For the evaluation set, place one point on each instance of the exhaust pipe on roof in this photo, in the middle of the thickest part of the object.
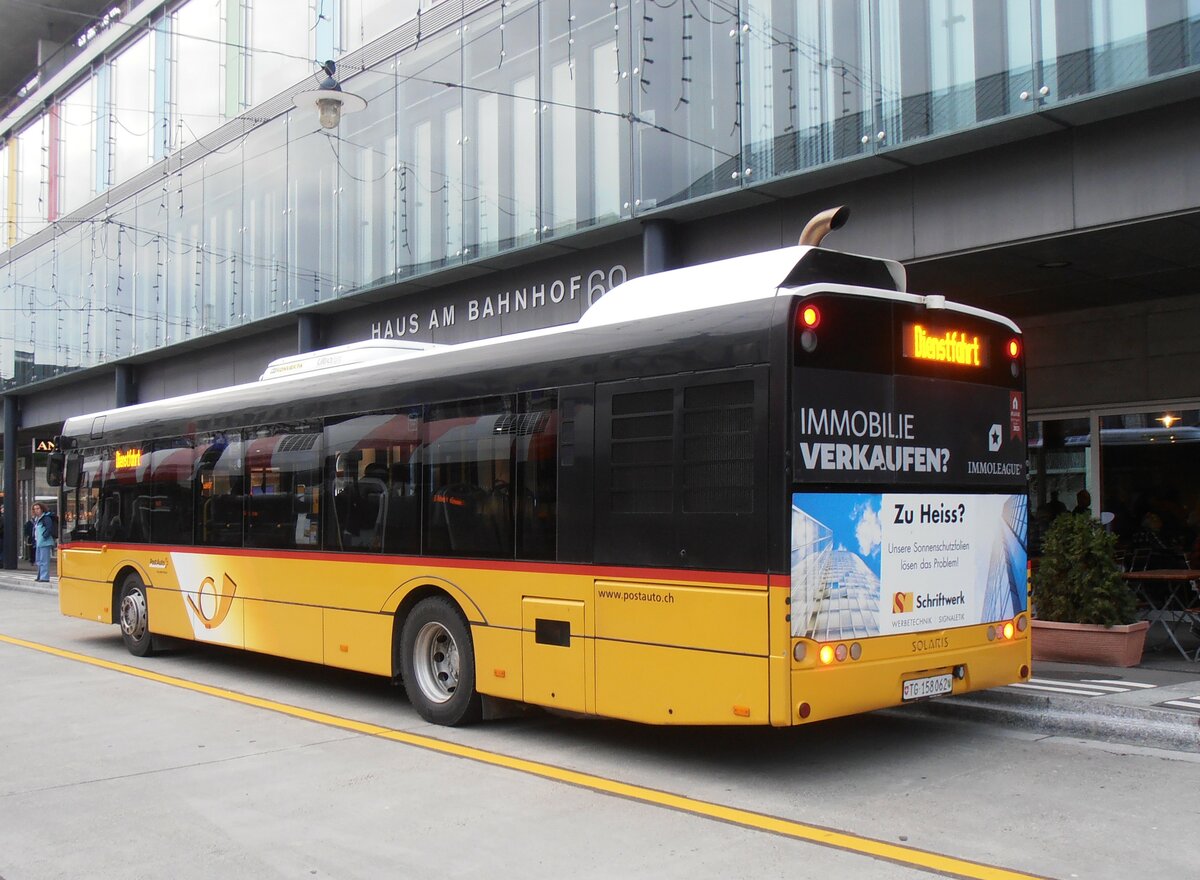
(823, 224)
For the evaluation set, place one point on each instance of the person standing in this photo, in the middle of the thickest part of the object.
(43, 540)
(2, 550)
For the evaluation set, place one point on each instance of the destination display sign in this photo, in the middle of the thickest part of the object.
(866, 428)
(948, 346)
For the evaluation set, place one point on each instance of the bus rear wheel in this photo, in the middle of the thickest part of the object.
(437, 662)
(134, 617)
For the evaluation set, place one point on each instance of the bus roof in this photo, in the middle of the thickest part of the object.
(690, 292)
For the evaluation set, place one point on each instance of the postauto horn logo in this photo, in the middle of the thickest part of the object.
(902, 603)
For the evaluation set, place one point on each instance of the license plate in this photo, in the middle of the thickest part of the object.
(933, 686)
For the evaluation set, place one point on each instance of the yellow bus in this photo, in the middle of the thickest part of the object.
(772, 489)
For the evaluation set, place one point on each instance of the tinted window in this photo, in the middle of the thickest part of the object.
(87, 496)
(283, 487)
(468, 460)
(535, 498)
(220, 490)
(373, 474)
(170, 508)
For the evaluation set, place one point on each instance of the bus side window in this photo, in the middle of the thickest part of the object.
(219, 487)
(283, 497)
(535, 497)
(468, 463)
(87, 495)
(168, 508)
(373, 503)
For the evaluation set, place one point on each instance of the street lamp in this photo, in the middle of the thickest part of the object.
(329, 99)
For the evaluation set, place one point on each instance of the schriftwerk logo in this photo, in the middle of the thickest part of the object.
(902, 603)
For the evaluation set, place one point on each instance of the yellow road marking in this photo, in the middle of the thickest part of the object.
(904, 855)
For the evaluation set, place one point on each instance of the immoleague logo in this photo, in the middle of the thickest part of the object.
(902, 603)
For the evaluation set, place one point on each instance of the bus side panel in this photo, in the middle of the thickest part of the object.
(663, 685)
(708, 618)
(358, 640)
(553, 653)
(497, 661)
(284, 629)
(88, 599)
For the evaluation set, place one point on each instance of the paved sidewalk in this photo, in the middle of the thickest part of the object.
(24, 578)
(1154, 704)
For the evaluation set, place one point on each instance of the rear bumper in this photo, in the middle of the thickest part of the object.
(849, 687)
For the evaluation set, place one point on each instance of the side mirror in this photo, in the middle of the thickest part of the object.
(72, 471)
(54, 469)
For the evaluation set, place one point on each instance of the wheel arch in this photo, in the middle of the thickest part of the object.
(418, 590)
(123, 571)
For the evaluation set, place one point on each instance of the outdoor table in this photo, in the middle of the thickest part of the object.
(1169, 600)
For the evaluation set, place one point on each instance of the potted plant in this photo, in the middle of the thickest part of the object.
(1084, 610)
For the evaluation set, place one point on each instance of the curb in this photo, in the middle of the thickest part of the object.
(1082, 717)
(24, 585)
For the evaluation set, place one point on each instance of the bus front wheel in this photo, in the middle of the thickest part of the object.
(438, 663)
(134, 618)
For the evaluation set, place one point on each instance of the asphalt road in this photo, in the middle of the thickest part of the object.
(224, 764)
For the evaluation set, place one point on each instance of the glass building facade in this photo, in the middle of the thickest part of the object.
(170, 189)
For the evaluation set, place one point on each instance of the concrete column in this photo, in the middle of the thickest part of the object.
(308, 335)
(126, 390)
(658, 246)
(12, 522)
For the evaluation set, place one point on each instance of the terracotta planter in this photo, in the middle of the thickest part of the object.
(1085, 643)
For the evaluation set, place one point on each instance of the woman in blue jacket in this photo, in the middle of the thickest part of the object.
(43, 540)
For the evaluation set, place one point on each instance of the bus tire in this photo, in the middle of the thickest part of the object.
(437, 661)
(134, 617)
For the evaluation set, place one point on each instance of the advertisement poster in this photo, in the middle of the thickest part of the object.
(882, 564)
(907, 431)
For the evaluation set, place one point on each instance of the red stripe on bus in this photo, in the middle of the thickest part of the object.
(753, 579)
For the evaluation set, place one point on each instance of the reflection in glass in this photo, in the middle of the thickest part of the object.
(220, 490)
(1119, 38)
(364, 20)
(1059, 469)
(197, 69)
(280, 52)
(264, 211)
(73, 269)
(807, 73)
(312, 227)
(500, 65)
(468, 475)
(430, 196)
(32, 180)
(1151, 484)
(585, 139)
(150, 265)
(185, 255)
(222, 244)
(77, 147)
(132, 130)
(687, 98)
(373, 483)
(367, 182)
(118, 239)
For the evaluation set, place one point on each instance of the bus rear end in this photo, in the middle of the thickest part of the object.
(908, 503)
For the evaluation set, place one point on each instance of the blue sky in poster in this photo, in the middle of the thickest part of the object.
(853, 519)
